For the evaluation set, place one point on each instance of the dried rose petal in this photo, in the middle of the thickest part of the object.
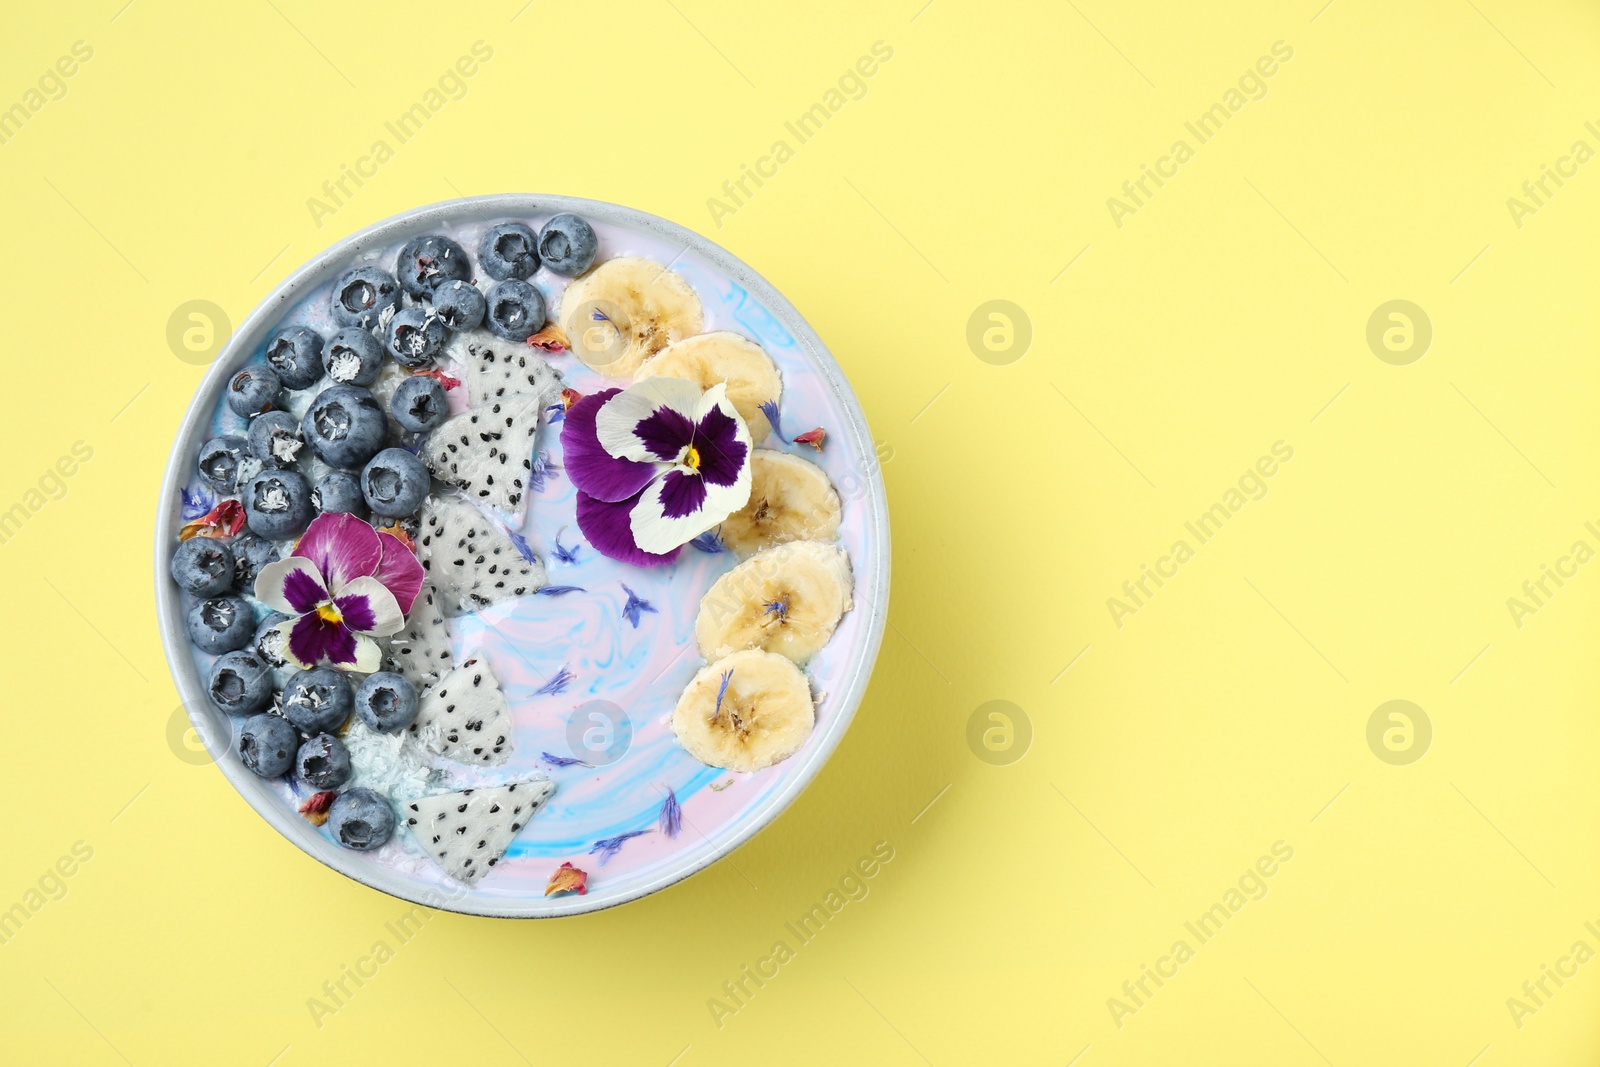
(441, 377)
(398, 532)
(570, 397)
(316, 809)
(567, 879)
(814, 438)
(224, 520)
(550, 339)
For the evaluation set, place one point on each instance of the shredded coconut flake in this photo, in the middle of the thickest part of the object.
(344, 367)
(388, 763)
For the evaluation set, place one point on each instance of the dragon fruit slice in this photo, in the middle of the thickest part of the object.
(498, 369)
(464, 717)
(471, 559)
(421, 651)
(467, 832)
(487, 452)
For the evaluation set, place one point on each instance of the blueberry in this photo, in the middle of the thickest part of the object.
(353, 357)
(323, 762)
(419, 404)
(567, 245)
(345, 426)
(250, 554)
(221, 624)
(203, 566)
(219, 462)
(275, 439)
(509, 250)
(339, 491)
(460, 305)
(516, 310)
(361, 819)
(416, 335)
(266, 745)
(253, 390)
(277, 504)
(394, 483)
(361, 295)
(317, 700)
(427, 262)
(269, 640)
(295, 352)
(386, 702)
(241, 683)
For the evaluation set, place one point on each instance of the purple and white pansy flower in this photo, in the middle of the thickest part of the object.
(345, 584)
(655, 465)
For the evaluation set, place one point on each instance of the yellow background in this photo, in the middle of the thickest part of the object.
(1229, 713)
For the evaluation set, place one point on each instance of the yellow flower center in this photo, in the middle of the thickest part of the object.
(328, 613)
(692, 460)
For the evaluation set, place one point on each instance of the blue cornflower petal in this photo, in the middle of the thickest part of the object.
(635, 605)
(197, 503)
(543, 471)
(722, 691)
(565, 553)
(522, 546)
(770, 410)
(609, 846)
(670, 821)
(708, 542)
(555, 685)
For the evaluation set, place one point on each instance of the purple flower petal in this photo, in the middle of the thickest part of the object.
(651, 420)
(355, 611)
(270, 581)
(313, 639)
(662, 520)
(592, 469)
(302, 591)
(368, 608)
(722, 453)
(608, 527)
(681, 494)
(399, 571)
(341, 546)
(664, 433)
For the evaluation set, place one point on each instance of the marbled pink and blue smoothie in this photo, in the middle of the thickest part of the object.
(533, 642)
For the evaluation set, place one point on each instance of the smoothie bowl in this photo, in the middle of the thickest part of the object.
(522, 555)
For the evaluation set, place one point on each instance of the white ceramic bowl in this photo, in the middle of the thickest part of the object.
(871, 597)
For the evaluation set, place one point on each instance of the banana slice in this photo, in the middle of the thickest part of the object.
(751, 376)
(791, 499)
(745, 712)
(787, 599)
(625, 311)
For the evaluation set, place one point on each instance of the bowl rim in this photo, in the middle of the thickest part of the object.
(211, 724)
